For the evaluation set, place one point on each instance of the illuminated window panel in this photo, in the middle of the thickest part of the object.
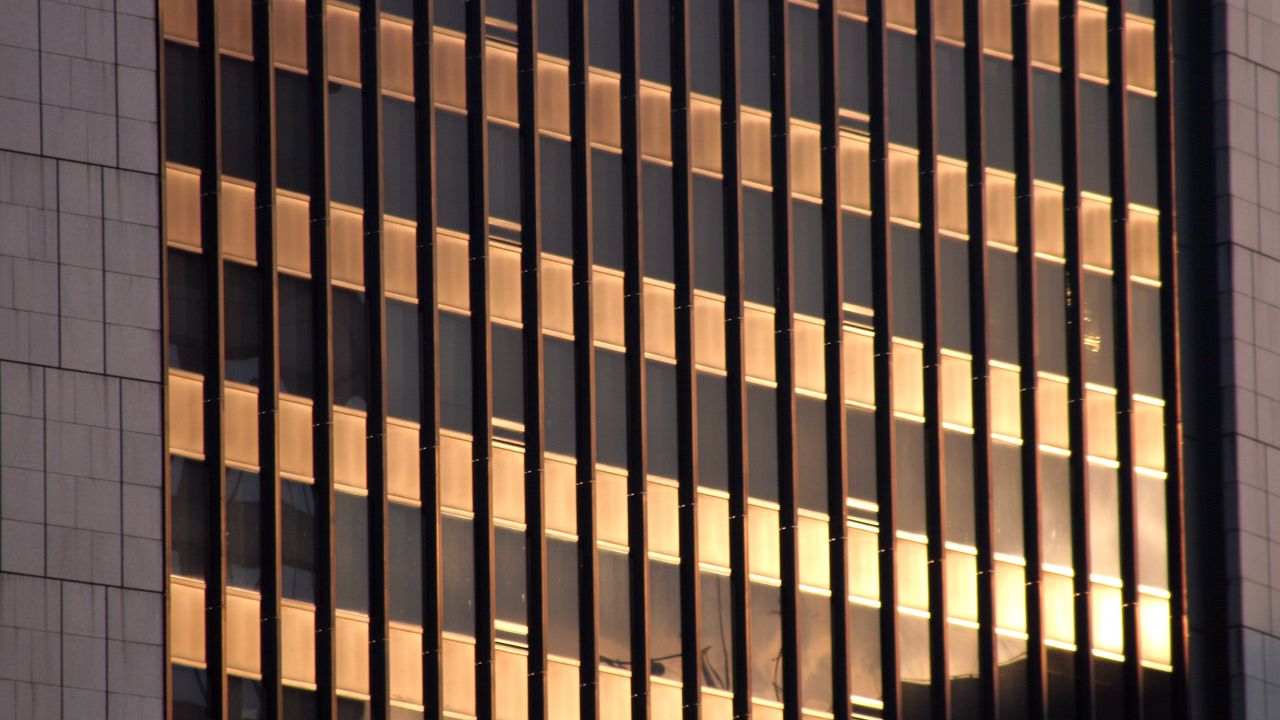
(342, 29)
(1091, 41)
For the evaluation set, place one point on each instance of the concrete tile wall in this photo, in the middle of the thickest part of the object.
(81, 497)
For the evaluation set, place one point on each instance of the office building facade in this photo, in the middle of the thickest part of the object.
(648, 358)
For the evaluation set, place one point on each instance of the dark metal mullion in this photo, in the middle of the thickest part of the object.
(481, 365)
(1083, 658)
(736, 401)
(882, 304)
(1028, 358)
(215, 371)
(429, 378)
(269, 363)
(1118, 129)
(531, 314)
(584, 362)
(788, 491)
(633, 328)
(686, 373)
(376, 304)
(930, 283)
(1171, 368)
(984, 497)
(833, 340)
(322, 412)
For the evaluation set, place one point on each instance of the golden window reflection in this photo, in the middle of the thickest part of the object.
(553, 95)
(708, 337)
(560, 493)
(806, 159)
(660, 319)
(179, 20)
(186, 413)
(235, 27)
(396, 62)
(1100, 409)
(655, 121)
(507, 473)
(511, 682)
(557, 294)
(403, 460)
(298, 642)
(962, 585)
(1006, 406)
(1140, 53)
(1047, 219)
(237, 220)
(1154, 630)
(908, 378)
(904, 183)
(901, 13)
(1001, 206)
(1148, 434)
(1011, 596)
(948, 20)
(455, 472)
(611, 505)
(186, 621)
(243, 631)
(346, 245)
(953, 196)
(604, 113)
(858, 360)
(713, 529)
(1044, 32)
(615, 693)
(350, 448)
(704, 134)
(957, 390)
(458, 674)
(342, 42)
(1107, 618)
(864, 562)
(1095, 230)
(404, 663)
(400, 258)
(182, 206)
(351, 652)
(913, 574)
(997, 26)
(500, 92)
(1051, 411)
(663, 518)
(295, 418)
(1144, 242)
(855, 171)
(449, 70)
(758, 343)
(240, 424)
(562, 689)
(453, 283)
(1091, 40)
(1059, 608)
(814, 550)
(756, 153)
(293, 232)
(504, 283)
(607, 307)
(762, 541)
(810, 362)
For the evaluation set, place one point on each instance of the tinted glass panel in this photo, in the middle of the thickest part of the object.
(399, 158)
(183, 107)
(350, 349)
(346, 149)
(405, 537)
(297, 540)
(297, 368)
(244, 556)
(404, 379)
(187, 309)
(239, 119)
(242, 299)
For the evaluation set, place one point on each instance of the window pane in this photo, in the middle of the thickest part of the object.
(244, 556)
(243, 306)
(350, 349)
(297, 540)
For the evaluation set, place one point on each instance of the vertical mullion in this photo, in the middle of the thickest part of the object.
(882, 304)
(376, 302)
(428, 328)
(531, 311)
(1083, 658)
(833, 338)
(930, 282)
(1171, 367)
(481, 367)
(322, 418)
(1028, 359)
(736, 405)
(269, 363)
(686, 373)
(780, 132)
(215, 376)
(633, 333)
(1118, 129)
(584, 361)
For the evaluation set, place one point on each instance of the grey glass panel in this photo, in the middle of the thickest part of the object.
(860, 452)
(399, 158)
(958, 473)
(902, 89)
(557, 210)
(1002, 305)
(1109, 689)
(1061, 683)
(189, 508)
(704, 62)
(187, 309)
(558, 395)
(1099, 330)
(1012, 676)
(293, 132)
(998, 105)
(815, 652)
(451, 14)
(664, 620)
(966, 692)
(243, 547)
(1145, 345)
(1051, 316)
(455, 372)
(606, 208)
(655, 40)
(605, 34)
(757, 244)
(762, 441)
(553, 27)
(1006, 491)
(452, 198)
(909, 459)
(299, 704)
(242, 301)
(190, 696)
(913, 649)
(715, 640)
(854, 91)
(511, 586)
(1046, 90)
(350, 349)
(766, 642)
(864, 653)
(1055, 514)
(502, 9)
(811, 452)
(349, 709)
(404, 371)
(908, 318)
(351, 551)
(611, 408)
(297, 540)
(1095, 164)
(504, 172)
(713, 431)
(405, 537)
(402, 8)
(708, 232)
(954, 277)
(659, 230)
(615, 609)
(239, 119)
(562, 597)
(806, 256)
(951, 115)
(753, 42)
(346, 146)
(856, 234)
(1143, 179)
(457, 548)
(805, 62)
(244, 698)
(663, 419)
(297, 363)
(508, 372)
(184, 112)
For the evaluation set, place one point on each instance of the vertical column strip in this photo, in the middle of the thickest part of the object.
(633, 334)
(269, 362)
(1078, 472)
(1118, 137)
(429, 378)
(736, 401)
(686, 373)
(481, 365)
(833, 340)
(930, 284)
(376, 302)
(215, 372)
(322, 302)
(531, 311)
(882, 305)
(780, 132)
(1170, 352)
(166, 474)
(584, 364)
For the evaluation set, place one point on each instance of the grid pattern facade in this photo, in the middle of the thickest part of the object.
(666, 358)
